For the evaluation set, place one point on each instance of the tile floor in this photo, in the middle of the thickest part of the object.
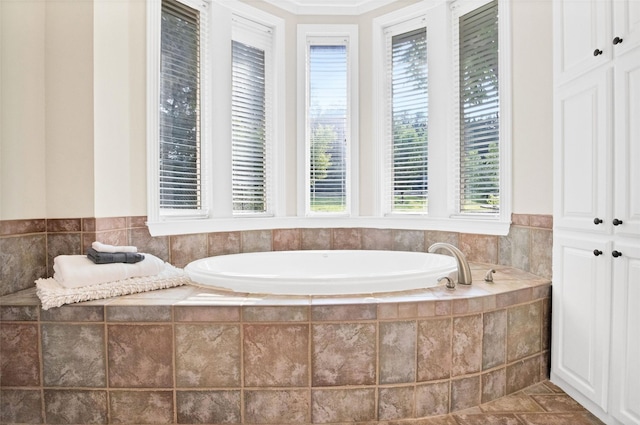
(540, 404)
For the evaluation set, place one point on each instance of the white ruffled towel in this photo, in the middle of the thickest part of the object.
(74, 271)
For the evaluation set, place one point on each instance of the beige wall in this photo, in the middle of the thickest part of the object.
(73, 107)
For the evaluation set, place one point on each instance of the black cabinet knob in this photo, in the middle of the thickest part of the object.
(616, 254)
(597, 252)
(597, 52)
(597, 221)
(617, 222)
(617, 40)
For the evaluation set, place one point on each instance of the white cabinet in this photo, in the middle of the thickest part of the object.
(625, 335)
(596, 272)
(589, 33)
(581, 323)
(627, 144)
(582, 153)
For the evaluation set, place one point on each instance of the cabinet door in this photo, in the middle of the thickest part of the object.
(580, 313)
(580, 28)
(582, 153)
(626, 25)
(627, 144)
(625, 368)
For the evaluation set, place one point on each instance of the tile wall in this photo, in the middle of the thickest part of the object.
(28, 247)
(318, 364)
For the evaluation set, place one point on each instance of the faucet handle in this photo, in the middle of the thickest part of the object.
(489, 276)
(450, 283)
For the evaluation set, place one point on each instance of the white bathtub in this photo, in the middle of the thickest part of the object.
(340, 272)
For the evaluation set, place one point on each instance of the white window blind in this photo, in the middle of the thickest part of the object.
(408, 121)
(179, 121)
(327, 127)
(251, 111)
(479, 111)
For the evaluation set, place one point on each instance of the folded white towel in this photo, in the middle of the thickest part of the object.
(52, 294)
(103, 247)
(74, 271)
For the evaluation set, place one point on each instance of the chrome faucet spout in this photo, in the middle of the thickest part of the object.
(464, 272)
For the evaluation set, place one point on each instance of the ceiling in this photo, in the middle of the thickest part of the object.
(329, 7)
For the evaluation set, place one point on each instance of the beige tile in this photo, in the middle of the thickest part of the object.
(397, 352)
(408, 240)
(276, 406)
(557, 402)
(276, 355)
(20, 406)
(187, 248)
(494, 336)
(379, 239)
(346, 238)
(484, 419)
(494, 385)
(523, 330)
(141, 407)
(578, 418)
(286, 239)
(522, 374)
(465, 393)
(208, 355)
(202, 407)
(467, 345)
(434, 349)
(256, 240)
(19, 358)
(78, 364)
(479, 248)
(343, 405)
(315, 238)
(75, 407)
(224, 243)
(519, 402)
(395, 403)
(140, 356)
(432, 399)
(344, 354)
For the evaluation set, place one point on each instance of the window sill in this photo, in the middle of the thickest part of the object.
(477, 225)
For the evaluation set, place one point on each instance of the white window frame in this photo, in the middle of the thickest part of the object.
(443, 213)
(307, 33)
(217, 210)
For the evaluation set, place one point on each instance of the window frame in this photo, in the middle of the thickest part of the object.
(443, 213)
(324, 33)
(217, 210)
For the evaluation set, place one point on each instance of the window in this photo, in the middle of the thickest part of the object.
(479, 112)
(408, 119)
(215, 115)
(251, 116)
(180, 132)
(441, 115)
(330, 119)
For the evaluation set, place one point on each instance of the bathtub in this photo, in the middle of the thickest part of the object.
(339, 272)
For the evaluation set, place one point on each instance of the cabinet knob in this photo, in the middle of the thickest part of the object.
(597, 221)
(597, 52)
(617, 40)
(617, 222)
(597, 252)
(616, 254)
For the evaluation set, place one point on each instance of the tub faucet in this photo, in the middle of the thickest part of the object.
(464, 272)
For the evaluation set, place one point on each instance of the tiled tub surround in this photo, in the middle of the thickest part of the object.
(190, 355)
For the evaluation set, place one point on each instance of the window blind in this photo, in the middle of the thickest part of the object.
(180, 135)
(328, 134)
(479, 110)
(409, 117)
(250, 112)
